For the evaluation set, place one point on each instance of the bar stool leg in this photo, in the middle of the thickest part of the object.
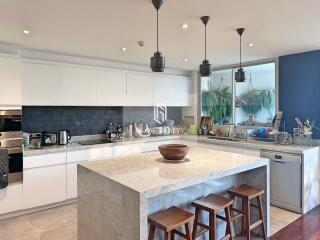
(243, 219)
(229, 227)
(195, 224)
(167, 235)
(172, 235)
(247, 217)
(151, 232)
(262, 218)
(212, 232)
(188, 234)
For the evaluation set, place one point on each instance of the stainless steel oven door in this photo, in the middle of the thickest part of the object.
(10, 120)
(11, 143)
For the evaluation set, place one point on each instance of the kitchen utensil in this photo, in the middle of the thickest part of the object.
(166, 130)
(64, 137)
(156, 131)
(169, 123)
(176, 131)
(174, 152)
(141, 129)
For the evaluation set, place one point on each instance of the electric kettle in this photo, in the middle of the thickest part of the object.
(64, 137)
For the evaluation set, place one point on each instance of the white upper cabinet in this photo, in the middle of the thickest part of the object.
(111, 88)
(10, 81)
(42, 84)
(172, 91)
(139, 89)
(79, 86)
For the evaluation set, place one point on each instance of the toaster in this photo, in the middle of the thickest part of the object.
(48, 138)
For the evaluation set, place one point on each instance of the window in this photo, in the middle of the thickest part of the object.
(216, 92)
(248, 103)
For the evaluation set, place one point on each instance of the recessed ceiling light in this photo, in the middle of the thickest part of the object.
(124, 49)
(185, 26)
(251, 44)
(186, 59)
(25, 31)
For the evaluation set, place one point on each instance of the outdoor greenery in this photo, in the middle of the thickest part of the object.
(253, 101)
(217, 103)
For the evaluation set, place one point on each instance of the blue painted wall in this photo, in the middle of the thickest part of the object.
(299, 88)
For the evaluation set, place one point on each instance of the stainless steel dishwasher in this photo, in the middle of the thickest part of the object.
(285, 180)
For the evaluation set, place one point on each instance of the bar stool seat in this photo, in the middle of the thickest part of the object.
(247, 193)
(169, 220)
(212, 204)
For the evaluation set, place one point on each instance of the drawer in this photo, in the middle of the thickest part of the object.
(44, 160)
(84, 155)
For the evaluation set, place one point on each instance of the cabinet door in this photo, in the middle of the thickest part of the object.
(139, 90)
(10, 81)
(42, 84)
(11, 198)
(44, 185)
(112, 87)
(84, 155)
(72, 181)
(162, 91)
(182, 92)
(79, 86)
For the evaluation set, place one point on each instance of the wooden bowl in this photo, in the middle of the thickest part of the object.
(175, 152)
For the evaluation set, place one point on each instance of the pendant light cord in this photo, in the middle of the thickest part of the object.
(240, 51)
(157, 30)
(205, 42)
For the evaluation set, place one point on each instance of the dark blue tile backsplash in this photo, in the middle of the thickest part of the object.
(87, 120)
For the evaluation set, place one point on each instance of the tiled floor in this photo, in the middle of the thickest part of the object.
(54, 224)
(61, 224)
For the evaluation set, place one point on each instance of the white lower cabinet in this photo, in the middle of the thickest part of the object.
(44, 185)
(72, 183)
(11, 198)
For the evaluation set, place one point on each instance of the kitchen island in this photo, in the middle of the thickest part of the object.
(116, 196)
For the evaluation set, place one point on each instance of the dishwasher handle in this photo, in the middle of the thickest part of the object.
(278, 161)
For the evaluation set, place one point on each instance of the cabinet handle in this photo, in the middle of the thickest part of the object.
(278, 161)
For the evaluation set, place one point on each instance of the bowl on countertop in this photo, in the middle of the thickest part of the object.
(174, 152)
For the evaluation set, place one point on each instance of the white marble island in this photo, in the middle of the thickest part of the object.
(116, 196)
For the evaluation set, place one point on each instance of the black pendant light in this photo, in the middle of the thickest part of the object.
(157, 61)
(205, 67)
(240, 74)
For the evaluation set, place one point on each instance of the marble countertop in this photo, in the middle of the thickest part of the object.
(251, 144)
(76, 146)
(149, 175)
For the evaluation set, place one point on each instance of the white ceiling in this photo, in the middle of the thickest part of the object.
(99, 28)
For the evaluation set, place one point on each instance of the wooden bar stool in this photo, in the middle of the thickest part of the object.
(212, 204)
(169, 221)
(247, 193)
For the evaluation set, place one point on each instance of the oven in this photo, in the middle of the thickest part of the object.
(11, 160)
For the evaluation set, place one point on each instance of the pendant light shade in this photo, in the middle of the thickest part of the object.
(205, 67)
(158, 62)
(240, 75)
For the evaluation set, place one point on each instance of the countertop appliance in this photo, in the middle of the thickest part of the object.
(64, 137)
(49, 138)
(285, 180)
(11, 141)
(35, 140)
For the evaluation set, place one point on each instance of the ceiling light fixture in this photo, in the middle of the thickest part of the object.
(185, 26)
(186, 59)
(124, 49)
(251, 44)
(240, 75)
(25, 31)
(205, 67)
(157, 61)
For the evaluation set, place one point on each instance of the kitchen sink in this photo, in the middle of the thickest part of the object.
(225, 139)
